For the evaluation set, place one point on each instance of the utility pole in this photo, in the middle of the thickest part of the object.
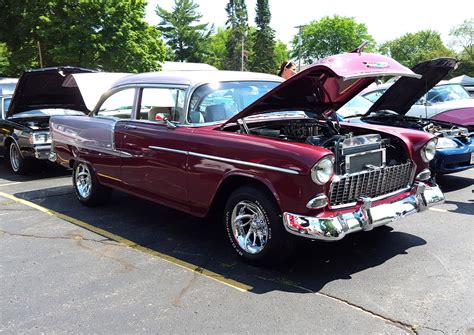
(242, 55)
(40, 55)
(300, 41)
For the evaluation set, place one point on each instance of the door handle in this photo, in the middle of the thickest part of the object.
(129, 126)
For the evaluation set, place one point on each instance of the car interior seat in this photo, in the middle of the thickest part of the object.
(196, 117)
(158, 113)
(219, 112)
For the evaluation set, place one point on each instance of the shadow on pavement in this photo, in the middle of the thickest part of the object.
(204, 244)
(40, 170)
(453, 182)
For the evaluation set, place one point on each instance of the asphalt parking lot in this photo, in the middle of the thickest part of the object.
(135, 267)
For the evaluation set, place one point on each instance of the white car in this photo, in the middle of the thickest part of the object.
(441, 98)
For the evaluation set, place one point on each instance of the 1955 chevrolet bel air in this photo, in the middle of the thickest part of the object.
(263, 154)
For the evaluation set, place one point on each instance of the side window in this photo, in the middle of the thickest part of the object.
(119, 105)
(158, 104)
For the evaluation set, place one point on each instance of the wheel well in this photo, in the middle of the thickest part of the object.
(7, 144)
(228, 186)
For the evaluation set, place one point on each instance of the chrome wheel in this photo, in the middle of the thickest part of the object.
(83, 180)
(249, 226)
(15, 157)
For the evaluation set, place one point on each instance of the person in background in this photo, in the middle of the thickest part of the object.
(287, 69)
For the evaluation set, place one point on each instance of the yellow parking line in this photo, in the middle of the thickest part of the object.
(434, 209)
(206, 273)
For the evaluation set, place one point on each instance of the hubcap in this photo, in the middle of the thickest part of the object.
(14, 157)
(249, 226)
(83, 180)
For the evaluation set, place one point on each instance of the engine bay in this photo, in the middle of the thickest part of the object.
(437, 128)
(353, 152)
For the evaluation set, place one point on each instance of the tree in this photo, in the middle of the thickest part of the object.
(187, 40)
(237, 23)
(102, 34)
(216, 44)
(463, 40)
(413, 48)
(329, 36)
(263, 56)
(281, 54)
(4, 64)
(463, 36)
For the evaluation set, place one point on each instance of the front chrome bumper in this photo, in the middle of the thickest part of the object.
(365, 217)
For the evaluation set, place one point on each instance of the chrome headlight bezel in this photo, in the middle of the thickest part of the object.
(428, 152)
(323, 170)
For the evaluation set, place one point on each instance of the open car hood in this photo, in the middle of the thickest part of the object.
(62, 87)
(326, 85)
(42, 88)
(403, 94)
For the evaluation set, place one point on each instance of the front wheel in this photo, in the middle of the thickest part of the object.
(18, 164)
(87, 188)
(254, 226)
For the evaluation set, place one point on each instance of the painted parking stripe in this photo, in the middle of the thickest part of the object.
(434, 209)
(170, 259)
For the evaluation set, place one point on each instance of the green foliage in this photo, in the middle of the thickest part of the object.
(281, 54)
(237, 41)
(263, 56)
(187, 39)
(108, 35)
(4, 63)
(413, 48)
(330, 36)
(217, 48)
(463, 36)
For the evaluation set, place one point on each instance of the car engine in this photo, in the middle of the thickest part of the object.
(353, 152)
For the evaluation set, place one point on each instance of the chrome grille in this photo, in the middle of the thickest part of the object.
(374, 183)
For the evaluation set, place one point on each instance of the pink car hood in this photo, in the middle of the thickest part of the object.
(327, 84)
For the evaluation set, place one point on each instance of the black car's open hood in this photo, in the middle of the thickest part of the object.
(406, 91)
(43, 88)
(326, 85)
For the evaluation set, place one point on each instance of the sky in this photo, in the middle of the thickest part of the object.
(385, 20)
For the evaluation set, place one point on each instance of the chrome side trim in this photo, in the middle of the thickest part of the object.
(168, 150)
(226, 160)
(98, 149)
(235, 161)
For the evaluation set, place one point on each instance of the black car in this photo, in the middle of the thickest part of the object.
(24, 131)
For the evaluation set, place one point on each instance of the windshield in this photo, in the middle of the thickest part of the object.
(445, 93)
(6, 104)
(7, 88)
(358, 105)
(220, 101)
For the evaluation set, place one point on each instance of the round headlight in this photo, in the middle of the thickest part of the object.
(445, 143)
(429, 150)
(323, 170)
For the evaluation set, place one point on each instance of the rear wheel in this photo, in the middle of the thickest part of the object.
(18, 164)
(87, 188)
(254, 226)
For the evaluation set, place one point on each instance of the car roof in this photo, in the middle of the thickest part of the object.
(193, 77)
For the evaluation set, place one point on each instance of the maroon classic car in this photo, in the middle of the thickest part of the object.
(279, 167)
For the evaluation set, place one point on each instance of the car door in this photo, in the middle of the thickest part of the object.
(157, 149)
(97, 139)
